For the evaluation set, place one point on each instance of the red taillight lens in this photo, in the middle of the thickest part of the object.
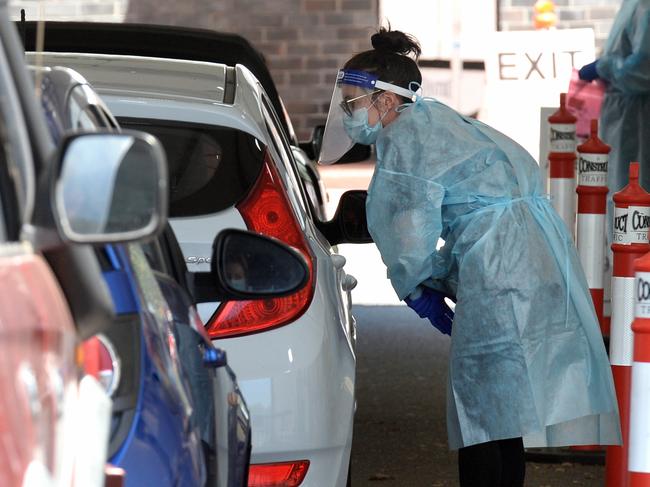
(290, 474)
(267, 210)
(100, 360)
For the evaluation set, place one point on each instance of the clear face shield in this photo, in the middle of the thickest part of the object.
(353, 90)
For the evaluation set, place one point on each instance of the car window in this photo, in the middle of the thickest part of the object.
(310, 184)
(104, 260)
(83, 116)
(309, 188)
(211, 168)
(158, 332)
(154, 255)
(282, 147)
(110, 120)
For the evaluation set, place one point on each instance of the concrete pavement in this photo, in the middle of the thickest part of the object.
(400, 437)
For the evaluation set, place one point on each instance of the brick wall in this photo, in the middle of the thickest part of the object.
(597, 14)
(93, 10)
(304, 41)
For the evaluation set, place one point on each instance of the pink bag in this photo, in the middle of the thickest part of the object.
(584, 100)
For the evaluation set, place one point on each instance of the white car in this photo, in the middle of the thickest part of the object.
(294, 356)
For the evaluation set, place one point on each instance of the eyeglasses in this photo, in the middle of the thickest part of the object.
(348, 105)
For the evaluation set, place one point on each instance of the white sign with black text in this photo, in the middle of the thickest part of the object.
(527, 70)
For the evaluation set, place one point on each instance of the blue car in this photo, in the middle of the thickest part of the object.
(154, 435)
(178, 417)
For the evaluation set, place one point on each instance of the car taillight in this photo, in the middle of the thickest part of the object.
(289, 474)
(267, 210)
(101, 361)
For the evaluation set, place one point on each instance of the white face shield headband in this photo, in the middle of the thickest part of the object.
(351, 87)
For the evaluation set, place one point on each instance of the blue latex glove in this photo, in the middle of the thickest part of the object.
(588, 72)
(431, 304)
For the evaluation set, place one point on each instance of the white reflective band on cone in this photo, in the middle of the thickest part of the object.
(621, 344)
(563, 137)
(607, 291)
(642, 303)
(563, 198)
(639, 459)
(620, 226)
(638, 224)
(592, 169)
(591, 233)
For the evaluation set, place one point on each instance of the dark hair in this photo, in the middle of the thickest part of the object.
(389, 59)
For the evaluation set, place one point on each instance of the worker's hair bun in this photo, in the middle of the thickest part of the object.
(396, 42)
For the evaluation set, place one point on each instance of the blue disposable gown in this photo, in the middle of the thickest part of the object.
(625, 114)
(527, 357)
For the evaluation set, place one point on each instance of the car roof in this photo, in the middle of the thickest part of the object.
(170, 78)
(147, 40)
(59, 81)
(178, 89)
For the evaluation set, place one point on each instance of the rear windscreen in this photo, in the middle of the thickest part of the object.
(211, 168)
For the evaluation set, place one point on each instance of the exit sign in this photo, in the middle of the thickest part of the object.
(527, 70)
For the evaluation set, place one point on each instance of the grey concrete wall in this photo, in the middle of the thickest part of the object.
(572, 14)
(94, 10)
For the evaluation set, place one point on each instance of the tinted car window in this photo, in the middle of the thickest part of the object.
(154, 256)
(110, 120)
(81, 114)
(210, 168)
(282, 146)
(163, 352)
(311, 190)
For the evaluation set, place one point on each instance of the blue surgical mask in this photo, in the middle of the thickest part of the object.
(358, 128)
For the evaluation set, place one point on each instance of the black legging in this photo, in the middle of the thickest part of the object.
(493, 464)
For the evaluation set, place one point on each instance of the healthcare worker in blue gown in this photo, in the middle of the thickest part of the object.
(527, 361)
(625, 114)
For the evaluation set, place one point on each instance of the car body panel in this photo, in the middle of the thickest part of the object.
(231, 420)
(135, 81)
(38, 376)
(162, 447)
(157, 41)
(135, 76)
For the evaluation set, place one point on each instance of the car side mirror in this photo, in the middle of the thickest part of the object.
(111, 187)
(247, 265)
(349, 224)
(357, 153)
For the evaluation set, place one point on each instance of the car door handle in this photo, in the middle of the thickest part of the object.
(349, 283)
(338, 260)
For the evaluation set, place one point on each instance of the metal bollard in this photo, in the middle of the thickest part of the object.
(631, 217)
(562, 160)
(592, 206)
(639, 453)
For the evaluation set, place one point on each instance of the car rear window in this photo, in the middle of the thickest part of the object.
(211, 168)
